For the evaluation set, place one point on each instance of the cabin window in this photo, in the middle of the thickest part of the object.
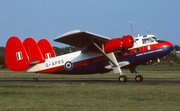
(127, 52)
(48, 55)
(136, 50)
(19, 56)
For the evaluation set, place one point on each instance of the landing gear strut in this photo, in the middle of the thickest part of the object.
(36, 78)
(138, 78)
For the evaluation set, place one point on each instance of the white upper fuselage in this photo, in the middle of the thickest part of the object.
(145, 40)
(59, 61)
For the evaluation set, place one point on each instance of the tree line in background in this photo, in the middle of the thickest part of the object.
(69, 49)
(176, 48)
(65, 50)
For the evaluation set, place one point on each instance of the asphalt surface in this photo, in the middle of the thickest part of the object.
(93, 80)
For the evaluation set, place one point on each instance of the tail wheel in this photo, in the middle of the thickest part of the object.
(122, 79)
(139, 78)
(35, 79)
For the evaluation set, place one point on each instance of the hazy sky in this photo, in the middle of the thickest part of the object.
(51, 18)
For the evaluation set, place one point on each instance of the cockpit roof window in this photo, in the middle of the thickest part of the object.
(155, 38)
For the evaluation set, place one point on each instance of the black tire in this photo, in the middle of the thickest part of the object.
(139, 78)
(35, 79)
(122, 79)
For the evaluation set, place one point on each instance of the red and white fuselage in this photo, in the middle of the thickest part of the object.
(98, 54)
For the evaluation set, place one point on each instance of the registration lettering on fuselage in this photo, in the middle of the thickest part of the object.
(54, 63)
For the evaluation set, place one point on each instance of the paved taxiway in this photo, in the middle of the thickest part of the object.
(93, 80)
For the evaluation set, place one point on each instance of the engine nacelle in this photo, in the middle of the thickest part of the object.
(118, 44)
(127, 41)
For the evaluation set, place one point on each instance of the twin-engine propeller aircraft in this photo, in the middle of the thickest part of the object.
(98, 54)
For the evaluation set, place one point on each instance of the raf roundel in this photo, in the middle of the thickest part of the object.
(68, 65)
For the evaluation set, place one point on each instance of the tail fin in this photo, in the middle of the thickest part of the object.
(33, 51)
(16, 56)
(19, 56)
(46, 49)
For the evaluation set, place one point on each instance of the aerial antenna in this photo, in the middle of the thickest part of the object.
(131, 28)
(148, 30)
(132, 33)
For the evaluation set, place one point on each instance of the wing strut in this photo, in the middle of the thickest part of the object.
(115, 64)
(113, 61)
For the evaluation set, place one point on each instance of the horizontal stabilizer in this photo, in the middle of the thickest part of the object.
(34, 62)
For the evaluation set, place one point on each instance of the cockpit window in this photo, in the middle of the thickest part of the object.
(147, 40)
(136, 39)
(156, 39)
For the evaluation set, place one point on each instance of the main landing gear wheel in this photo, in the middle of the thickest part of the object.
(35, 79)
(122, 79)
(139, 78)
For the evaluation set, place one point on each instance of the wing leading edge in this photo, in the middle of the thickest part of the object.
(82, 39)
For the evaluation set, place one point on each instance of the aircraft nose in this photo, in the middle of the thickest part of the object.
(167, 44)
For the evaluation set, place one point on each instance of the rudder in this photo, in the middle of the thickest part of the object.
(46, 49)
(16, 57)
(33, 51)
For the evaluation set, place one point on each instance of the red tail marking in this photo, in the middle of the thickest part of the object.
(15, 55)
(33, 50)
(46, 48)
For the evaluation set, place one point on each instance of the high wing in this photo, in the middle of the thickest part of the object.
(89, 41)
(82, 39)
